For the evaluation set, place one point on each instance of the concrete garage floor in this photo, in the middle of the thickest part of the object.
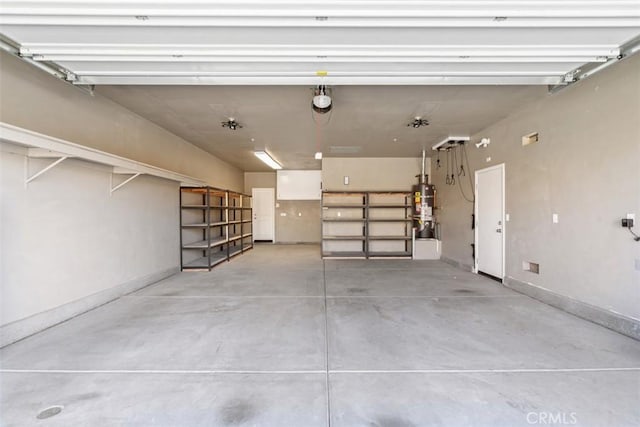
(278, 337)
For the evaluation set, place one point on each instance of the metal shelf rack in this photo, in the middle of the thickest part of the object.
(211, 226)
(366, 224)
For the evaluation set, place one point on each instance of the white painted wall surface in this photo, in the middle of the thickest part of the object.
(66, 244)
(34, 100)
(65, 238)
(371, 173)
(586, 168)
(301, 224)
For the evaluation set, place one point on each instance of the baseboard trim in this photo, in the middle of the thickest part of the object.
(23, 328)
(298, 243)
(609, 319)
(457, 264)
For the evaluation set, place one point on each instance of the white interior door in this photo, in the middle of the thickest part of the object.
(263, 214)
(490, 221)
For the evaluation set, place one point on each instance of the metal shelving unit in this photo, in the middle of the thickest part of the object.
(210, 227)
(344, 224)
(246, 222)
(366, 224)
(390, 224)
(235, 224)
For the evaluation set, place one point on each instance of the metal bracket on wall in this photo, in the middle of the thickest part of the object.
(39, 153)
(13, 48)
(625, 51)
(121, 171)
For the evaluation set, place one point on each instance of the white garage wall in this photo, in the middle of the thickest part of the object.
(36, 101)
(372, 174)
(586, 168)
(67, 245)
(64, 237)
(301, 224)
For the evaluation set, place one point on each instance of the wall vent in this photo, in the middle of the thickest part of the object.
(529, 139)
(531, 267)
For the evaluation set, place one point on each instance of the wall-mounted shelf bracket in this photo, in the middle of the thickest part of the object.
(121, 171)
(47, 147)
(38, 153)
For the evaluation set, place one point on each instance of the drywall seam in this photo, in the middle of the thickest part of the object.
(23, 328)
(609, 319)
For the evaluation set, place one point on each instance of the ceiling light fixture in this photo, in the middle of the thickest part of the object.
(267, 159)
(321, 101)
(231, 124)
(451, 140)
(418, 122)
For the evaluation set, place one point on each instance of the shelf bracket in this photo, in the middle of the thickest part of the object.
(35, 153)
(120, 171)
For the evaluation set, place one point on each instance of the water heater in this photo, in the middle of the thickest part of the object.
(423, 203)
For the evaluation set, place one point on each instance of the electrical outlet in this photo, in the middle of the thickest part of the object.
(507, 217)
(346, 180)
(627, 222)
(631, 216)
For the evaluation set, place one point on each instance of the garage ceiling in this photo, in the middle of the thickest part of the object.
(461, 63)
(364, 121)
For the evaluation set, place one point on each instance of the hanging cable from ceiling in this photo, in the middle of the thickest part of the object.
(447, 178)
(320, 105)
(457, 164)
(454, 163)
(464, 158)
(319, 135)
(320, 123)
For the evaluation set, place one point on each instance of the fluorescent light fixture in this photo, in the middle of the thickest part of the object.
(450, 138)
(318, 155)
(266, 158)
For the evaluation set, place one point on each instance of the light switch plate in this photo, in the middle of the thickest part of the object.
(346, 180)
(554, 217)
(507, 217)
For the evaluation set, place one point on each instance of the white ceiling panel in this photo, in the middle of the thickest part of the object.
(462, 63)
(314, 36)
